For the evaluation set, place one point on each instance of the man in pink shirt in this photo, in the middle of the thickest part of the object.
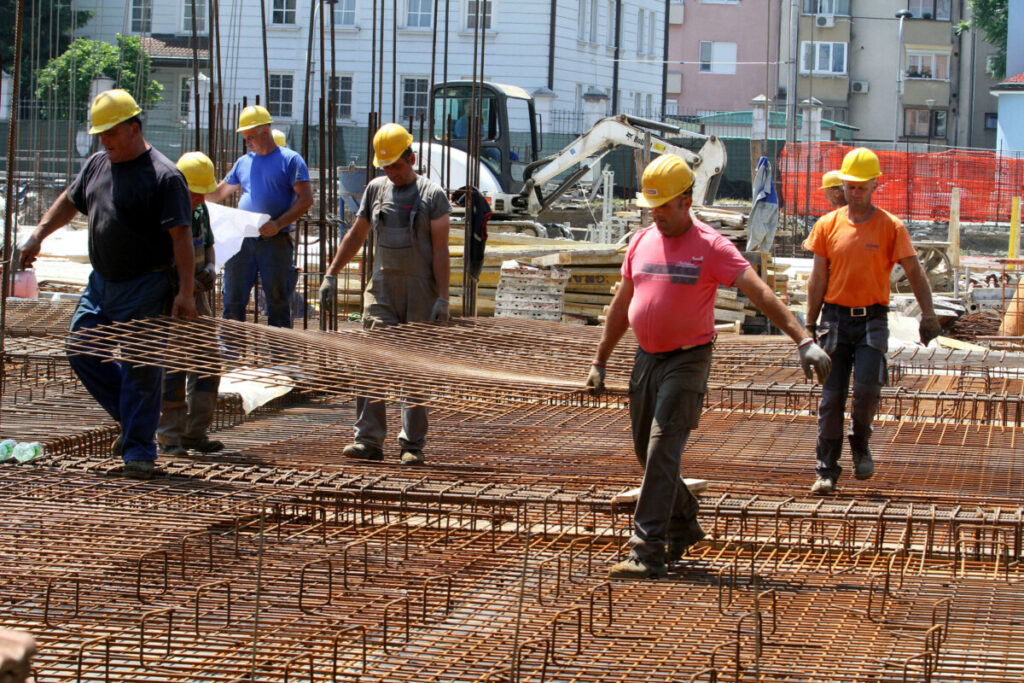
(667, 295)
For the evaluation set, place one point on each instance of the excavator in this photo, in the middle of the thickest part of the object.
(517, 188)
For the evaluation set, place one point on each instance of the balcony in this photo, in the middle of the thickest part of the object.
(920, 90)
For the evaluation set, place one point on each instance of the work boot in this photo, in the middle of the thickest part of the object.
(140, 469)
(678, 546)
(863, 465)
(117, 448)
(361, 451)
(203, 445)
(635, 568)
(169, 449)
(823, 487)
(412, 457)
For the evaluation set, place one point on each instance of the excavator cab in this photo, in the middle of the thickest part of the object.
(508, 134)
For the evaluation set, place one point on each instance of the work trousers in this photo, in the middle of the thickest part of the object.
(129, 393)
(666, 395)
(856, 344)
(271, 259)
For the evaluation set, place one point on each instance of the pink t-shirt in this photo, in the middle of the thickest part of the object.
(674, 284)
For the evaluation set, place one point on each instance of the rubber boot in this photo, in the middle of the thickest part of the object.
(863, 465)
(173, 415)
(201, 407)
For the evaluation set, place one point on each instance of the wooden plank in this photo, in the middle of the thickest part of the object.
(696, 486)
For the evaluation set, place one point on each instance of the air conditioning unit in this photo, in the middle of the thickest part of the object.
(859, 86)
(824, 21)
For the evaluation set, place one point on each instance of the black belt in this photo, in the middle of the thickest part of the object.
(675, 352)
(872, 311)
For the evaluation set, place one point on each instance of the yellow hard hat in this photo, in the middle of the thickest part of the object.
(666, 177)
(390, 141)
(279, 138)
(860, 165)
(831, 179)
(252, 116)
(198, 171)
(110, 108)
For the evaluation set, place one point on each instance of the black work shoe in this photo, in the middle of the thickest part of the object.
(677, 547)
(140, 469)
(823, 486)
(635, 568)
(412, 457)
(117, 448)
(863, 466)
(361, 451)
(203, 445)
(170, 449)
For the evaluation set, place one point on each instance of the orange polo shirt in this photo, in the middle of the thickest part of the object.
(860, 255)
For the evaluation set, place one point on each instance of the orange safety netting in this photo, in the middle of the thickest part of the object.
(913, 185)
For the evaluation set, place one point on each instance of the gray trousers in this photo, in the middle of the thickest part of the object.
(666, 395)
(371, 427)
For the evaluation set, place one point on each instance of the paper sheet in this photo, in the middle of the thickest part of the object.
(229, 227)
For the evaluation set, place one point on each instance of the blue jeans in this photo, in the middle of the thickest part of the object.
(271, 258)
(129, 393)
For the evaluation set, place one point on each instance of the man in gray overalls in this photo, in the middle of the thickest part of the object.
(409, 216)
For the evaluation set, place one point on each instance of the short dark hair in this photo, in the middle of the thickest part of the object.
(137, 119)
(407, 154)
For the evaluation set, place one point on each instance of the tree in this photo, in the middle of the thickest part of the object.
(46, 32)
(992, 19)
(127, 64)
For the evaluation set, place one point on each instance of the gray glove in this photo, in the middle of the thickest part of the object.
(206, 278)
(440, 312)
(328, 292)
(815, 361)
(930, 328)
(595, 380)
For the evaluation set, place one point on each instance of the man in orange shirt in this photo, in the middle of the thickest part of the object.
(855, 249)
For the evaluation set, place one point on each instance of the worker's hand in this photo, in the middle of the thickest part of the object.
(440, 311)
(270, 228)
(814, 361)
(28, 251)
(812, 330)
(184, 306)
(930, 328)
(16, 651)
(595, 380)
(328, 292)
(206, 278)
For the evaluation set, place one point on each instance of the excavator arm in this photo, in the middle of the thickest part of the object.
(617, 131)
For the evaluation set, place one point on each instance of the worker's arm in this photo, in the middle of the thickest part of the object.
(351, 243)
(439, 228)
(765, 300)
(57, 216)
(816, 286)
(919, 284)
(303, 200)
(223, 191)
(184, 261)
(616, 323)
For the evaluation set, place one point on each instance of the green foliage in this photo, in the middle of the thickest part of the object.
(992, 19)
(127, 63)
(46, 32)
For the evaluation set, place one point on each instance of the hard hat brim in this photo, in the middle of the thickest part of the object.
(828, 187)
(856, 178)
(107, 126)
(202, 189)
(241, 129)
(646, 202)
(381, 163)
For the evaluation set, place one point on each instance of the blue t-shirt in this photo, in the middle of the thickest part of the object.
(268, 181)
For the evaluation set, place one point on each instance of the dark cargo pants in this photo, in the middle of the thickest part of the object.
(666, 395)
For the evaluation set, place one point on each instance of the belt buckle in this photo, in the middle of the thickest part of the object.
(858, 311)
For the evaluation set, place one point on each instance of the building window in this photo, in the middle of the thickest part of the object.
(279, 100)
(142, 16)
(341, 93)
(581, 20)
(717, 58)
(611, 23)
(345, 13)
(641, 25)
(651, 37)
(924, 123)
(485, 12)
(186, 23)
(415, 91)
(991, 121)
(822, 58)
(418, 14)
(185, 100)
(594, 24)
(837, 114)
(929, 9)
(928, 65)
(834, 7)
(283, 13)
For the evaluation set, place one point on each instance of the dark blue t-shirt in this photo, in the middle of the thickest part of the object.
(268, 181)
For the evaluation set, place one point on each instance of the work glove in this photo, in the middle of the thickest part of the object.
(595, 380)
(930, 328)
(328, 292)
(206, 278)
(440, 312)
(814, 361)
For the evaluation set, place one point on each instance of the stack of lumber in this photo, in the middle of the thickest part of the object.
(732, 223)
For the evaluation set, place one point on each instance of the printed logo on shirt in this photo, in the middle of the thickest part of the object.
(872, 247)
(675, 273)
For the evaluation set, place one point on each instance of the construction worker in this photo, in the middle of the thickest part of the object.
(190, 399)
(139, 235)
(669, 278)
(275, 181)
(408, 214)
(855, 249)
(833, 186)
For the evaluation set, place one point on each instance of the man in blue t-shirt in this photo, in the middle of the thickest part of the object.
(274, 181)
